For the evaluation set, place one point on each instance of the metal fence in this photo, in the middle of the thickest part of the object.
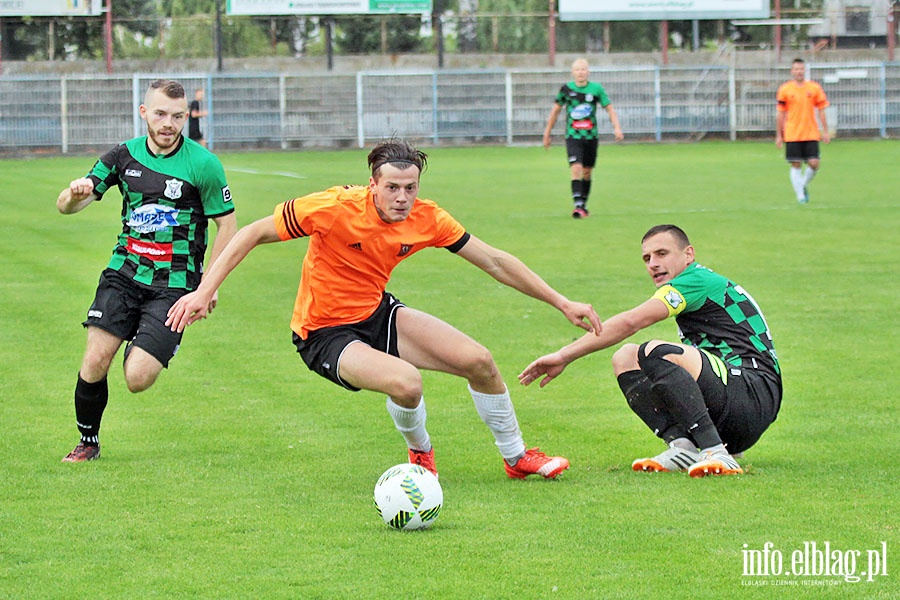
(90, 112)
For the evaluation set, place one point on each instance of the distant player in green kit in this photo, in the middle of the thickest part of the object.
(581, 98)
(708, 398)
(171, 188)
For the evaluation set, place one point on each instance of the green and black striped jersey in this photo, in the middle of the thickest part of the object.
(717, 315)
(581, 104)
(167, 202)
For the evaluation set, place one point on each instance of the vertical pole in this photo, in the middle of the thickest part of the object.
(664, 41)
(109, 45)
(329, 41)
(891, 31)
(219, 36)
(437, 24)
(777, 30)
(551, 32)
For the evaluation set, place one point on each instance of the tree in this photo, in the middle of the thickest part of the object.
(360, 34)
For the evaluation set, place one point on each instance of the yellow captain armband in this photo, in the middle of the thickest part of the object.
(672, 298)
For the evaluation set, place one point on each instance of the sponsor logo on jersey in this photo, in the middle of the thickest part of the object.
(582, 125)
(355, 246)
(405, 249)
(582, 111)
(95, 314)
(173, 189)
(155, 251)
(152, 217)
(133, 172)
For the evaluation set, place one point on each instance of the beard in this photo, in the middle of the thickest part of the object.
(162, 143)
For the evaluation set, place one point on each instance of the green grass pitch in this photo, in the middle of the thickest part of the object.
(243, 475)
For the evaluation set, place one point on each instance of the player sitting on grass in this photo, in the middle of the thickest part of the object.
(709, 398)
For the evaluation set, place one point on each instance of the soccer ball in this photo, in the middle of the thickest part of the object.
(408, 496)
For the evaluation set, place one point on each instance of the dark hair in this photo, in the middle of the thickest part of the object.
(172, 89)
(798, 60)
(397, 153)
(676, 231)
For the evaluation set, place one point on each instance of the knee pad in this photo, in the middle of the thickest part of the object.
(653, 364)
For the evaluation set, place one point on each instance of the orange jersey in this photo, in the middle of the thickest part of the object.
(352, 252)
(799, 102)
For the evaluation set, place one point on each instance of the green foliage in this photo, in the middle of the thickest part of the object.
(240, 474)
(375, 34)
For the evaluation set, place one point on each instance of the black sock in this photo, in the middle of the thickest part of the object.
(585, 189)
(680, 394)
(90, 401)
(638, 391)
(578, 192)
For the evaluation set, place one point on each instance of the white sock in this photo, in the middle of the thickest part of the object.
(808, 175)
(410, 422)
(797, 182)
(718, 448)
(684, 444)
(497, 412)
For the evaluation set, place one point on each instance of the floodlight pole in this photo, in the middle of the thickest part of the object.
(109, 44)
(777, 30)
(891, 30)
(219, 36)
(551, 32)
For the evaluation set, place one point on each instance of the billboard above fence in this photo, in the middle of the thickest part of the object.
(326, 7)
(653, 10)
(49, 8)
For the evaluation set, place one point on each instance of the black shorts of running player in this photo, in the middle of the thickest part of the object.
(136, 313)
(322, 349)
(801, 151)
(583, 152)
(742, 402)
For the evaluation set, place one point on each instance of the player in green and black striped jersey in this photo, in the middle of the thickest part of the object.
(171, 188)
(709, 397)
(581, 99)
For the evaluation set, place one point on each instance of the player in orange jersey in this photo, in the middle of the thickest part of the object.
(348, 329)
(798, 102)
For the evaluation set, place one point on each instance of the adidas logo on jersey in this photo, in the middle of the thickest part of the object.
(355, 246)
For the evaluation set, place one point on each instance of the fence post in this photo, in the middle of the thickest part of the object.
(883, 104)
(732, 104)
(64, 113)
(509, 109)
(360, 124)
(657, 102)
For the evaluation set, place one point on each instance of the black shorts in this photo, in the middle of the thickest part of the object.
(136, 313)
(742, 402)
(801, 151)
(322, 349)
(583, 152)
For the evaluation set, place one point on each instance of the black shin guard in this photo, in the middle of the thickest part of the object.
(90, 401)
(638, 391)
(679, 393)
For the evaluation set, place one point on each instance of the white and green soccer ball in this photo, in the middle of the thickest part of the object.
(408, 496)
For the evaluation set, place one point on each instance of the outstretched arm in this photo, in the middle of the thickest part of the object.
(76, 197)
(226, 227)
(509, 270)
(194, 306)
(615, 329)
